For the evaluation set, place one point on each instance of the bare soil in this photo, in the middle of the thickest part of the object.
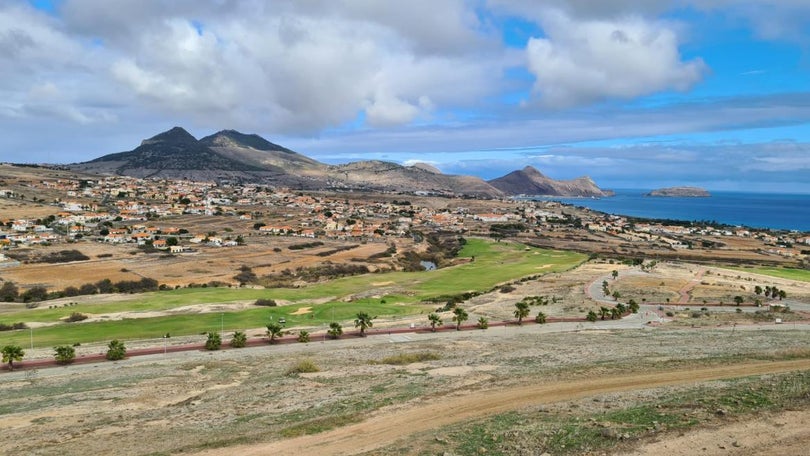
(197, 401)
(776, 434)
(386, 428)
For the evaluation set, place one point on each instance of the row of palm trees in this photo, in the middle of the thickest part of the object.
(116, 350)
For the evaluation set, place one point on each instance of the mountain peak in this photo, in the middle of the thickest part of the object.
(426, 167)
(176, 135)
(236, 138)
(530, 181)
(531, 171)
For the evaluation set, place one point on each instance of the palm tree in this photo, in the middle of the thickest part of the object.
(274, 330)
(363, 321)
(782, 295)
(214, 341)
(604, 312)
(615, 314)
(521, 311)
(591, 316)
(615, 274)
(483, 323)
(758, 290)
(435, 320)
(116, 350)
(335, 330)
(239, 339)
(459, 316)
(12, 353)
(64, 354)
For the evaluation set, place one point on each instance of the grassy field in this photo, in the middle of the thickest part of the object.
(185, 324)
(802, 275)
(401, 293)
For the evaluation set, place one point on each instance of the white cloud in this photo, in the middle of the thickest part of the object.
(296, 67)
(582, 61)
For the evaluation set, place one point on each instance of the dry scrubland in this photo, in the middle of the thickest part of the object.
(127, 262)
(201, 401)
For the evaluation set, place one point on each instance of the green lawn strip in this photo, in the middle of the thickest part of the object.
(801, 275)
(494, 263)
(575, 430)
(186, 324)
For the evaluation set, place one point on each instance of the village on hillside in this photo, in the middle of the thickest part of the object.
(125, 210)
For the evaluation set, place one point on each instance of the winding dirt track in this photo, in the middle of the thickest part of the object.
(385, 428)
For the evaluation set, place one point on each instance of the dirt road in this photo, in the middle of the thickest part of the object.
(383, 429)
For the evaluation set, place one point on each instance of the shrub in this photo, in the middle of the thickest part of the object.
(245, 275)
(540, 318)
(408, 358)
(76, 316)
(64, 354)
(18, 325)
(302, 367)
(35, 293)
(63, 256)
(303, 336)
(507, 289)
(483, 323)
(116, 350)
(305, 245)
(239, 339)
(265, 302)
(214, 341)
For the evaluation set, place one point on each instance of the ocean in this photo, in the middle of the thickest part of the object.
(755, 210)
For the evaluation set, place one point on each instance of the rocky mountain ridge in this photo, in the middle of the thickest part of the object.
(232, 156)
(530, 181)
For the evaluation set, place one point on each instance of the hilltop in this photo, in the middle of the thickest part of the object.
(530, 181)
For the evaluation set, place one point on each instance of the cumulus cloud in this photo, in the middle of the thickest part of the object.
(295, 67)
(587, 60)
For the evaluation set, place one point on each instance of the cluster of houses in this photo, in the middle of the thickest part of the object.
(123, 210)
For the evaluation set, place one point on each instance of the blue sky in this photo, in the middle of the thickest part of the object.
(634, 93)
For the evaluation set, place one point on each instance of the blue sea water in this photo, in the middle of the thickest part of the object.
(756, 210)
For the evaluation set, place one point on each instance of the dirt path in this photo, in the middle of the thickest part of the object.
(683, 293)
(384, 428)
